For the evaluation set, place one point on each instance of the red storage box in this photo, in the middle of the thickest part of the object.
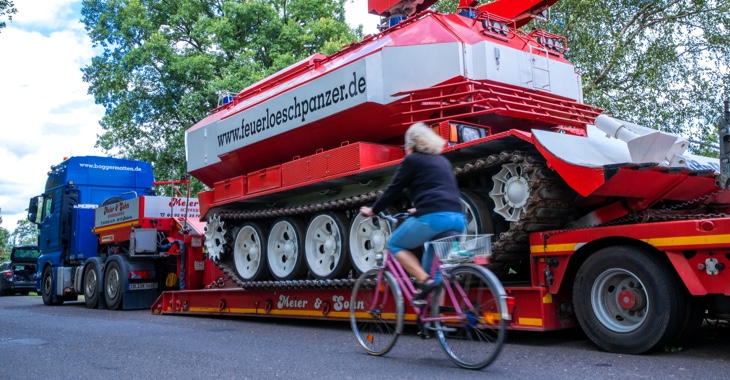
(303, 169)
(360, 156)
(344, 159)
(230, 188)
(264, 179)
(205, 198)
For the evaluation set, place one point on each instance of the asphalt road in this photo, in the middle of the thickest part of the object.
(70, 342)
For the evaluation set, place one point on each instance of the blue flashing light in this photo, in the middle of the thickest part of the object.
(395, 20)
(468, 12)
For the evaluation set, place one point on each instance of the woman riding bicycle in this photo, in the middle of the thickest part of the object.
(429, 182)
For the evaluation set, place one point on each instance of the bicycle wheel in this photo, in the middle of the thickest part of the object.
(376, 311)
(474, 339)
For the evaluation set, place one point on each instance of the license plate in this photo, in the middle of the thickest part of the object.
(142, 286)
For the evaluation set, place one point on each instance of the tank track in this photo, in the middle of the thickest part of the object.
(548, 207)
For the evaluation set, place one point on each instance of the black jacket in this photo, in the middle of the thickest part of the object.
(429, 183)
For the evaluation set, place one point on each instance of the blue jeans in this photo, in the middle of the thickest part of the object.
(414, 232)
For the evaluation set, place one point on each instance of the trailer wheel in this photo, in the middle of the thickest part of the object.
(627, 301)
(91, 287)
(249, 252)
(47, 288)
(326, 246)
(286, 249)
(113, 286)
(367, 239)
(692, 321)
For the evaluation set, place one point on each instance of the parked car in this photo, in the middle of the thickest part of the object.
(19, 274)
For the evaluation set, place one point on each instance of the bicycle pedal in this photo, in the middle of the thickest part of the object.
(418, 303)
(423, 330)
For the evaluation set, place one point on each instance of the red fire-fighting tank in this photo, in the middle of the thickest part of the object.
(292, 158)
(370, 91)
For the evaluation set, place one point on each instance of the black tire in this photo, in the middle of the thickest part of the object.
(627, 301)
(47, 288)
(113, 285)
(326, 245)
(91, 286)
(691, 322)
(477, 341)
(249, 252)
(285, 249)
(376, 325)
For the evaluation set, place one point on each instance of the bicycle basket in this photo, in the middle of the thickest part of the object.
(461, 247)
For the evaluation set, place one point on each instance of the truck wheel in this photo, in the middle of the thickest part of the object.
(367, 239)
(91, 287)
(286, 249)
(692, 321)
(249, 252)
(113, 286)
(47, 288)
(326, 246)
(627, 301)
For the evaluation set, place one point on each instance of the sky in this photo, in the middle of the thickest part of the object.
(46, 113)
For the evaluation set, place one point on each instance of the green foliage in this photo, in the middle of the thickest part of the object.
(164, 63)
(659, 63)
(662, 64)
(25, 233)
(7, 8)
(4, 246)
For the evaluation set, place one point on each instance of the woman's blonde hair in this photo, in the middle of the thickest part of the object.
(423, 139)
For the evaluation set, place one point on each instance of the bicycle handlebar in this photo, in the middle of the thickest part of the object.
(392, 219)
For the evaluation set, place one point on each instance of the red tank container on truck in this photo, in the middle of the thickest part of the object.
(596, 221)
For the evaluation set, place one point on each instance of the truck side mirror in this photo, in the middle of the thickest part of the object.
(33, 210)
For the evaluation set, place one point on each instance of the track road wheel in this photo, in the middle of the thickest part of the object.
(627, 301)
(326, 245)
(478, 216)
(91, 287)
(376, 312)
(47, 288)
(368, 239)
(249, 252)
(475, 341)
(113, 285)
(286, 249)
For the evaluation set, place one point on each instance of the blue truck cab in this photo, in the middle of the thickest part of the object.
(65, 216)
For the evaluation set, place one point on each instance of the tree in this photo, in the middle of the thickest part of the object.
(25, 233)
(7, 8)
(164, 63)
(4, 246)
(659, 63)
(3, 239)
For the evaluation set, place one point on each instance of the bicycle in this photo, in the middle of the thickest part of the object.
(468, 309)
